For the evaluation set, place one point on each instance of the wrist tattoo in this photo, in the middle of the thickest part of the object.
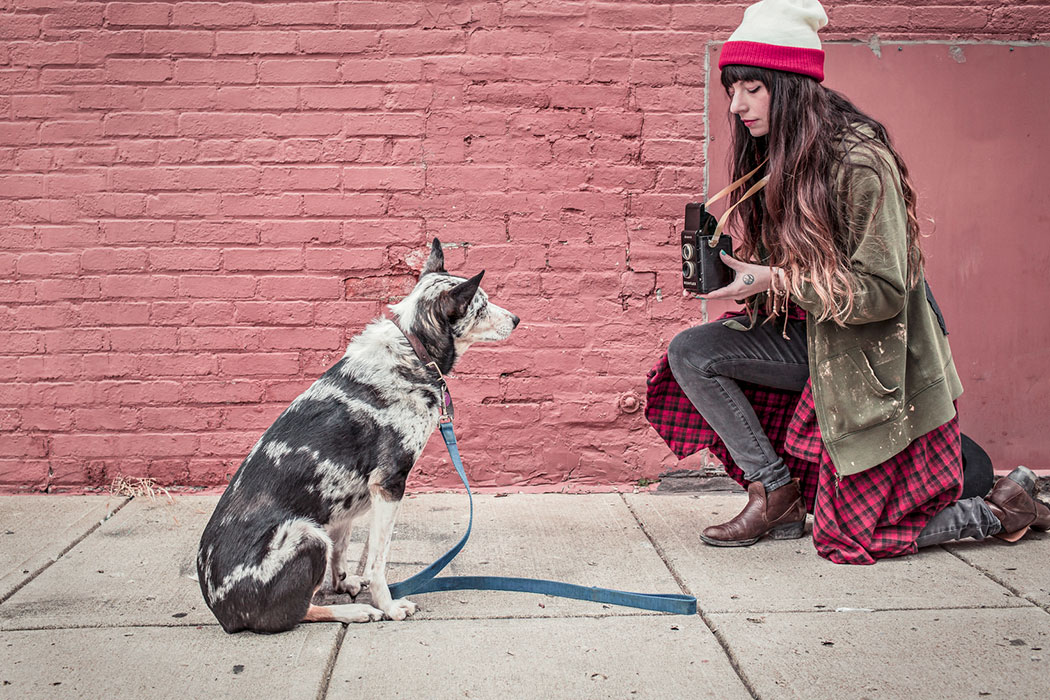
(749, 278)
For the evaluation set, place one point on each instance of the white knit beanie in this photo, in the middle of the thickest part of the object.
(779, 34)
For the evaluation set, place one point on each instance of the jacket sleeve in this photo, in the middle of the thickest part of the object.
(878, 221)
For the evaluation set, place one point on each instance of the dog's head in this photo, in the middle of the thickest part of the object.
(450, 313)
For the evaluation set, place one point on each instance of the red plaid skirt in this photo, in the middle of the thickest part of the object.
(857, 519)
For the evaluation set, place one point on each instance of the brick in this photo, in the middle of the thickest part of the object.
(138, 70)
(344, 97)
(24, 475)
(28, 446)
(266, 259)
(140, 231)
(93, 419)
(212, 14)
(217, 287)
(21, 343)
(299, 13)
(139, 339)
(216, 232)
(300, 178)
(257, 98)
(373, 70)
(365, 179)
(28, 106)
(346, 259)
(37, 54)
(22, 186)
(303, 124)
(315, 70)
(135, 14)
(300, 231)
(273, 313)
(177, 42)
(384, 125)
(140, 124)
(225, 392)
(139, 286)
(74, 184)
(213, 72)
(424, 41)
(210, 339)
(381, 14)
(367, 205)
(259, 364)
(265, 42)
(337, 41)
(304, 287)
(302, 338)
(48, 264)
(19, 26)
(182, 204)
(184, 258)
(104, 313)
(76, 16)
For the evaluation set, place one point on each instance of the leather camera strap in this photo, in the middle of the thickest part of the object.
(725, 216)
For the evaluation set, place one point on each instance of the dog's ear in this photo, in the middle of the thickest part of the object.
(463, 293)
(436, 261)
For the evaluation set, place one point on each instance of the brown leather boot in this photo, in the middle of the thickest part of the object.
(1012, 500)
(780, 514)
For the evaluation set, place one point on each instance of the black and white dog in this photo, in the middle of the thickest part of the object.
(346, 444)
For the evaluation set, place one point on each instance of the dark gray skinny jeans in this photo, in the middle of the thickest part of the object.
(707, 362)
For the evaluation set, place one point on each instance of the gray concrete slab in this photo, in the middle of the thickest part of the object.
(592, 541)
(617, 657)
(789, 575)
(891, 655)
(133, 570)
(36, 530)
(1021, 566)
(158, 662)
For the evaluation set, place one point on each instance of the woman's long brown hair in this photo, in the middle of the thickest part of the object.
(802, 223)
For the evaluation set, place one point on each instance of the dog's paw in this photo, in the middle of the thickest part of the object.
(351, 585)
(356, 613)
(400, 609)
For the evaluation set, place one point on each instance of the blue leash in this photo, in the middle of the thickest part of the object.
(426, 581)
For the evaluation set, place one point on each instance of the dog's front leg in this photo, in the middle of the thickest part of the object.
(341, 570)
(384, 513)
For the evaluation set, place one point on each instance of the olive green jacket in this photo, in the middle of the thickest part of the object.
(887, 376)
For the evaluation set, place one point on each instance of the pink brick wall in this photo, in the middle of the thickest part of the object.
(200, 202)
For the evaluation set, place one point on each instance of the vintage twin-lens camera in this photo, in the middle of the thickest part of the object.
(702, 268)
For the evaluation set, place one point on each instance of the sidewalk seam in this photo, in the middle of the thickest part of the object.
(64, 551)
(326, 679)
(996, 579)
(730, 656)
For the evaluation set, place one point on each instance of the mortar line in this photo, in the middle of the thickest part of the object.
(64, 551)
(996, 579)
(326, 679)
(722, 642)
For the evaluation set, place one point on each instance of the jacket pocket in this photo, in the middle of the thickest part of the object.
(856, 398)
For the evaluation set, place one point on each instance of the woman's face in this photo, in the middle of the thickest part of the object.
(749, 100)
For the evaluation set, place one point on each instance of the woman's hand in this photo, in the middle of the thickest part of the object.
(750, 279)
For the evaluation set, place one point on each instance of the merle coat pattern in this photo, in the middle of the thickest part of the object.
(345, 445)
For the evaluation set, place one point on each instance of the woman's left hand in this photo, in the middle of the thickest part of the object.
(750, 279)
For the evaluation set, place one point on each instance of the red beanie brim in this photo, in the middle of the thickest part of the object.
(786, 58)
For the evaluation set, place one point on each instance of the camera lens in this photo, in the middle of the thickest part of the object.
(689, 270)
(688, 251)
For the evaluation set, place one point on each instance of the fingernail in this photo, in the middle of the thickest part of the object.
(721, 252)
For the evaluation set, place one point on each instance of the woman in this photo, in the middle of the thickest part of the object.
(836, 392)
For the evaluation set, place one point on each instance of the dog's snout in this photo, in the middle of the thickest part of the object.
(515, 321)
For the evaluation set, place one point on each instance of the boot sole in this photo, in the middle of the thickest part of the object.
(790, 531)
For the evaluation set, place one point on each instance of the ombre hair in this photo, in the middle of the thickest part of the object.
(802, 222)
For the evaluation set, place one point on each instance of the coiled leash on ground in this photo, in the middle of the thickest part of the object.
(428, 581)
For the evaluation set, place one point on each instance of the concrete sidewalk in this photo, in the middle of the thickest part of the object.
(97, 607)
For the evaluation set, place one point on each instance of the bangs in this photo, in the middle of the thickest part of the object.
(736, 73)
